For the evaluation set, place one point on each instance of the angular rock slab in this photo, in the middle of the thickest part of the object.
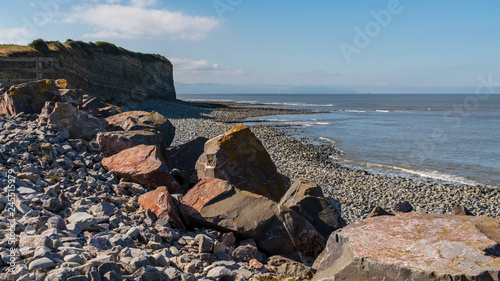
(240, 158)
(98, 108)
(64, 117)
(306, 198)
(413, 246)
(31, 97)
(140, 120)
(112, 143)
(184, 157)
(276, 229)
(142, 164)
(161, 203)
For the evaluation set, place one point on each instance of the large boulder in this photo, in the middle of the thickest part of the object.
(161, 203)
(100, 109)
(140, 120)
(306, 198)
(64, 117)
(112, 143)
(184, 157)
(142, 164)
(276, 229)
(413, 246)
(240, 158)
(31, 97)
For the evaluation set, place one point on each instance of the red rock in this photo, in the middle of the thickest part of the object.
(114, 142)
(228, 239)
(63, 117)
(413, 246)
(34, 241)
(240, 158)
(142, 164)
(140, 120)
(162, 205)
(255, 264)
(30, 97)
(63, 198)
(276, 229)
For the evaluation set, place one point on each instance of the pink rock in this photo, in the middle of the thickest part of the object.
(142, 164)
(162, 205)
(413, 246)
(63, 117)
(112, 143)
(34, 241)
(141, 120)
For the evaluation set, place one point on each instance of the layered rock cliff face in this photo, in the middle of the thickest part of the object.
(113, 74)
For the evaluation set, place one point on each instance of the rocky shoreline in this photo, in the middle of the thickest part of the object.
(358, 191)
(177, 191)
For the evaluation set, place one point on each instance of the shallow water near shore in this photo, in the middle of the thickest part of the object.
(450, 138)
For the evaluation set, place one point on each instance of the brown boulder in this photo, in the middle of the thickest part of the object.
(459, 210)
(306, 198)
(160, 202)
(117, 141)
(98, 108)
(30, 97)
(276, 229)
(379, 211)
(142, 164)
(240, 158)
(413, 246)
(72, 96)
(140, 120)
(63, 117)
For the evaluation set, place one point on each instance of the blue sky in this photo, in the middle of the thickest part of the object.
(369, 46)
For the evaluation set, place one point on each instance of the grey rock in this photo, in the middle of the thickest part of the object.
(107, 267)
(86, 221)
(133, 232)
(102, 209)
(74, 258)
(221, 273)
(122, 240)
(78, 278)
(41, 263)
(42, 252)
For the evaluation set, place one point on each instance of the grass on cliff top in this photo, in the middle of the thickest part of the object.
(39, 47)
(6, 50)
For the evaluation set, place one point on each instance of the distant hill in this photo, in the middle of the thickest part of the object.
(211, 88)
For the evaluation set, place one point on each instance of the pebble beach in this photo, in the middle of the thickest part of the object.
(357, 190)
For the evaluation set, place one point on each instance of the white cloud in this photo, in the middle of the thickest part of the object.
(14, 36)
(143, 3)
(193, 67)
(119, 21)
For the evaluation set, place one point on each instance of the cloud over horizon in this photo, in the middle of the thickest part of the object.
(189, 71)
(139, 20)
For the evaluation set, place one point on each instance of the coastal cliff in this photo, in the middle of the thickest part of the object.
(104, 70)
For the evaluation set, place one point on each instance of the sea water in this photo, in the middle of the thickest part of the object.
(450, 138)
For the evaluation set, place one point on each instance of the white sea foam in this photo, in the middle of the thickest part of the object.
(430, 174)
